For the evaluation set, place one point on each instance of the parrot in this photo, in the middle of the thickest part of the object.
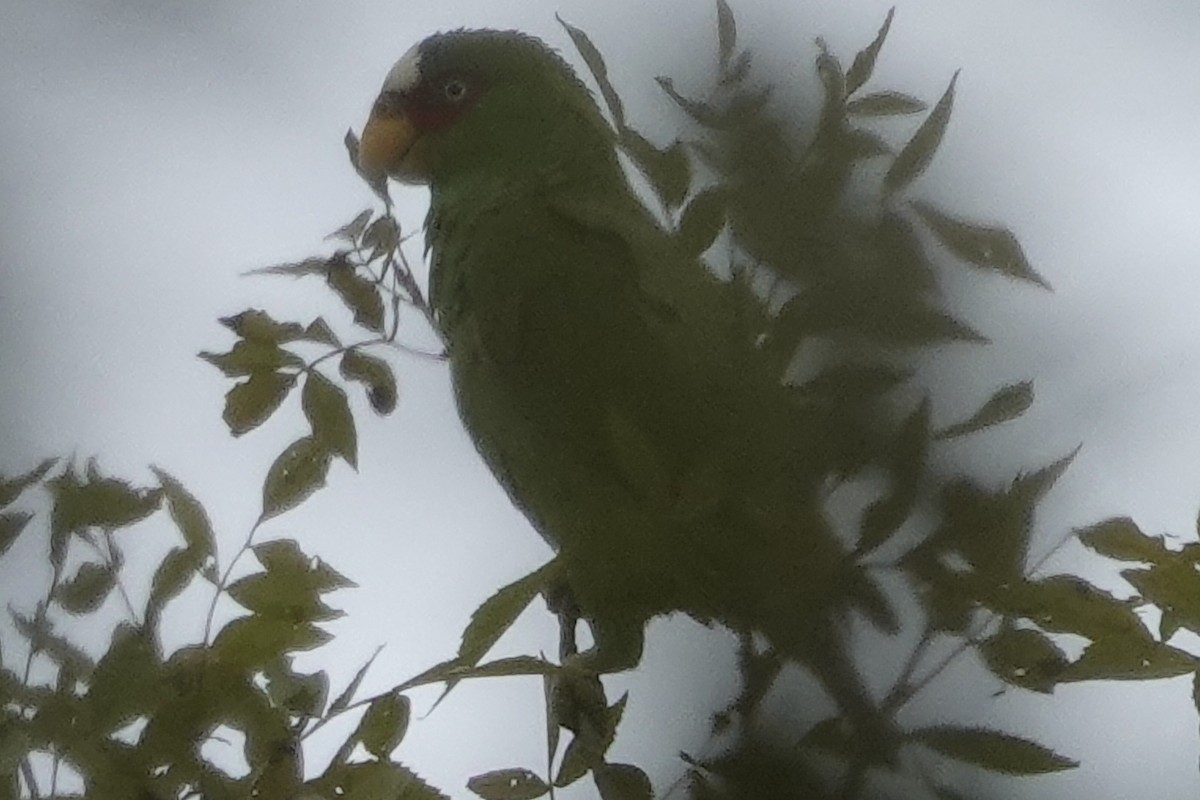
(614, 384)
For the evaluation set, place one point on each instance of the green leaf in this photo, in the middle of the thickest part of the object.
(996, 249)
(372, 780)
(592, 741)
(251, 643)
(596, 66)
(250, 403)
(344, 699)
(1024, 658)
(1006, 404)
(11, 488)
(885, 104)
(256, 324)
(299, 471)
(726, 34)
(508, 784)
(319, 331)
(171, 577)
(1067, 604)
(316, 265)
(704, 113)
(11, 525)
(384, 724)
(669, 171)
(328, 412)
(454, 670)
(992, 750)
(86, 591)
(906, 463)
(1120, 538)
(352, 229)
(252, 357)
(381, 237)
(375, 374)
(917, 154)
(128, 681)
(359, 294)
(701, 221)
(497, 614)
(297, 694)
(189, 516)
(98, 502)
(1129, 658)
(864, 61)
(622, 782)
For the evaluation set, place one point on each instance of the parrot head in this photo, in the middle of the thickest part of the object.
(470, 101)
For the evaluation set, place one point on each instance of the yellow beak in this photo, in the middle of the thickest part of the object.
(385, 143)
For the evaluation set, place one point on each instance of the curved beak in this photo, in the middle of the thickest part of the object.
(386, 140)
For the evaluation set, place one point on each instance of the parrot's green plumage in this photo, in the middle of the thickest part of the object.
(609, 381)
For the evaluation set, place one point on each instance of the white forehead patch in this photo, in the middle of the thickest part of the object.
(406, 72)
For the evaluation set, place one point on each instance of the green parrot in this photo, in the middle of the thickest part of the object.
(612, 383)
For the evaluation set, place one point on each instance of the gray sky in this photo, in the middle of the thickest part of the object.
(150, 153)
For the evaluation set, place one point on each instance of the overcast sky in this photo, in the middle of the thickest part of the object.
(152, 152)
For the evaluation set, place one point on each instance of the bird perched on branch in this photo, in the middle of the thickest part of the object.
(614, 384)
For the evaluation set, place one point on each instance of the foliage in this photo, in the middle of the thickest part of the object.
(809, 261)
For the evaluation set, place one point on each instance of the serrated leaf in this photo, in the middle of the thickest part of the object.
(864, 61)
(381, 237)
(375, 374)
(257, 324)
(384, 724)
(11, 488)
(299, 471)
(726, 33)
(319, 331)
(454, 670)
(595, 64)
(352, 229)
(252, 357)
(1120, 538)
(1068, 604)
(497, 614)
(919, 151)
(592, 741)
(701, 221)
(508, 784)
(704, 113)
(991, 248)
(294, 269)
(253, 642)
(250, 403)
(1024, 658)
(992, 750)
(622, 782)
(98, 502)
(171, 577)
(885, 104)
(344, 699)
(189, 516)
(360, 295)
(11, 525)
(88, 590)
(669, 171)
(1129, 659)
(328, 412)
(1006, 404)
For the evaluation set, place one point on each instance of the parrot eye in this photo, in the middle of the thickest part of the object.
(455, 90)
